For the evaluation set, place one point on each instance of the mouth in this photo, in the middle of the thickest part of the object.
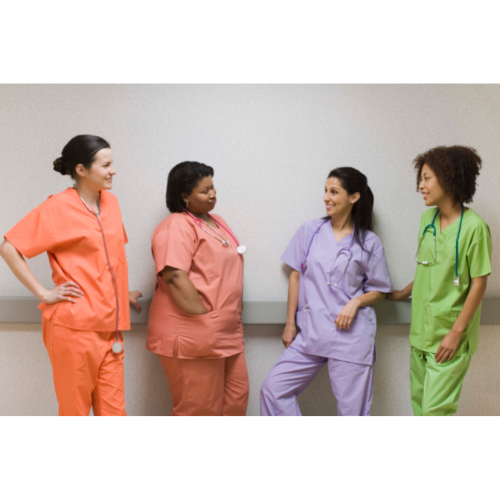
(328, 206)
(213, 201)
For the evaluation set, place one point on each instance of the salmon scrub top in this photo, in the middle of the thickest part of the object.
(63, 227)
(217, 273)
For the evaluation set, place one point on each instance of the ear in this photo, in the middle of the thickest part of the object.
(354, 198)
(80, 170)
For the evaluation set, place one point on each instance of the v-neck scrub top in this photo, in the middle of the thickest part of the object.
(63, 227)
(436, 301)
(319, 304)
(217, 274)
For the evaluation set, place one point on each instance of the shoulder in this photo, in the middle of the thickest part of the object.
(55, 201)
(428, 215)
(373, 244)
(475, 224)
(107, 197)
(311, 225)
(174, 222)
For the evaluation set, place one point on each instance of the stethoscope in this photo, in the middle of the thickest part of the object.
(344, 250)
(117, 346)
(241, 249)
(456, 281)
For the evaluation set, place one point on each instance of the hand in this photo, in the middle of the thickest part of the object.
(132, 298)
(447, 347)
(289, 334)
(62, 293)
(347, 314)
(395, 295)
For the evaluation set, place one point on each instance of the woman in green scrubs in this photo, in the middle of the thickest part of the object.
(453, 262)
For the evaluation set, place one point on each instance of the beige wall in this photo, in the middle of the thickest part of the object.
(26, 378)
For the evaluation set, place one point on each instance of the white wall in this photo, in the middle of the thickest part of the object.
(272, 147)
(26, 386)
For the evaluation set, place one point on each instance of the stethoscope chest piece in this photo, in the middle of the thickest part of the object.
(225, 243)
(241, 249)
(117, 348)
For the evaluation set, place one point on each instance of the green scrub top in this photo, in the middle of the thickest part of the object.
(436, 302)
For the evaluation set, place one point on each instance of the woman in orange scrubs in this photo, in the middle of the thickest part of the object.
(195, 316)
(82, 232)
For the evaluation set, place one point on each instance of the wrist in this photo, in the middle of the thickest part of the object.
(457, 331)
(290, 322)
(40, 294)
(356, 302)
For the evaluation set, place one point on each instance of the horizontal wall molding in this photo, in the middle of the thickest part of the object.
(25, 310)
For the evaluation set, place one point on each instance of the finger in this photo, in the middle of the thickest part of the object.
(71, 283)
(75, 291)
(140, 294)
(67, 299)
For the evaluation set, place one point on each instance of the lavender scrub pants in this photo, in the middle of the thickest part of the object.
(352, 384)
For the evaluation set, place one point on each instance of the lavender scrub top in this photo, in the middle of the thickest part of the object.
(320, 304)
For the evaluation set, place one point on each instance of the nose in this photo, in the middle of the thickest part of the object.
(421, 185)
(213, 193)
(112, 171)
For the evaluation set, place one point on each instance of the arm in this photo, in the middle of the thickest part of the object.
(349, 311)
(449, 344)
(290, 331)
(401, 294)
(23, 273)
(183, 291)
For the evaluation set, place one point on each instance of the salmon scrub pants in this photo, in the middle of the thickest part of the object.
(87, 373)
(352, 384)
(209, 387)
(436, 388)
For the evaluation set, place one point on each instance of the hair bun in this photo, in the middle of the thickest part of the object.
(59, 166)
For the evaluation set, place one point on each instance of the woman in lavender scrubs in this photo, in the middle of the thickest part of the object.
(338, 272)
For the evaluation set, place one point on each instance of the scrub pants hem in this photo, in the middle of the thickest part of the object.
(352, 384)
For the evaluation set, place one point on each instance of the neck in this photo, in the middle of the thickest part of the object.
(342, 223)
(89, 195)
(449, 210)
(202, 216)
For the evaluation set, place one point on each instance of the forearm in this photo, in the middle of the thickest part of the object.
(293, 297)
(183, 292)
(401, 294)
(20, 269)
(369, 298)
(474, 298)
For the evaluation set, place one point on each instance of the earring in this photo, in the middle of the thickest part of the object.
(187, 203)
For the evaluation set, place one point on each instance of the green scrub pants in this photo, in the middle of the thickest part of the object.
(436, 388)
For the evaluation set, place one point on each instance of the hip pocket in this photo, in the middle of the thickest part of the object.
(198, 336)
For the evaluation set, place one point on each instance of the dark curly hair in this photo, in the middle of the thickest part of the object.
(456, 168)
(181, 180)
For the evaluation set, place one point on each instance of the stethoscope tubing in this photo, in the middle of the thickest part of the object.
(433, 227)
(113, 276)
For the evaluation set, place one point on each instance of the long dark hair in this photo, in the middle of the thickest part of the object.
(182, 179)
(79, 150)
(353, 181)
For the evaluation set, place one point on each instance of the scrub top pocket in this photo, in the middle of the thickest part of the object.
(437, 325)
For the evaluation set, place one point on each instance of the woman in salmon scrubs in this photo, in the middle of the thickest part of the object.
(82, 232)
(195, 317)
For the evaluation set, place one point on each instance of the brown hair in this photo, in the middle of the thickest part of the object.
(456, 168)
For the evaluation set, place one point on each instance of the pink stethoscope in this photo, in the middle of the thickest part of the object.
(241, 249)
(117, 346)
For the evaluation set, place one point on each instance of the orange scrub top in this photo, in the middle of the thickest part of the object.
(217, 273)
(63, 227)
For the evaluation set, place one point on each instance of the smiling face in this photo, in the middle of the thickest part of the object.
(202, 198)
(430, 188)
(100, 174)
(337, 200)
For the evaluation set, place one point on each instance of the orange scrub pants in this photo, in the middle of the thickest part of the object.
(87, 373)
(210, 387)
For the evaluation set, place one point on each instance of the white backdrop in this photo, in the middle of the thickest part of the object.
(271, 146)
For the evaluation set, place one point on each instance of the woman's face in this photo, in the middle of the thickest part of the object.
(100, 174)
(430, 188)
(202, 198)
(337, 200)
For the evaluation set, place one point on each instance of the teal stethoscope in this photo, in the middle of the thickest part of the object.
(456, 281)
